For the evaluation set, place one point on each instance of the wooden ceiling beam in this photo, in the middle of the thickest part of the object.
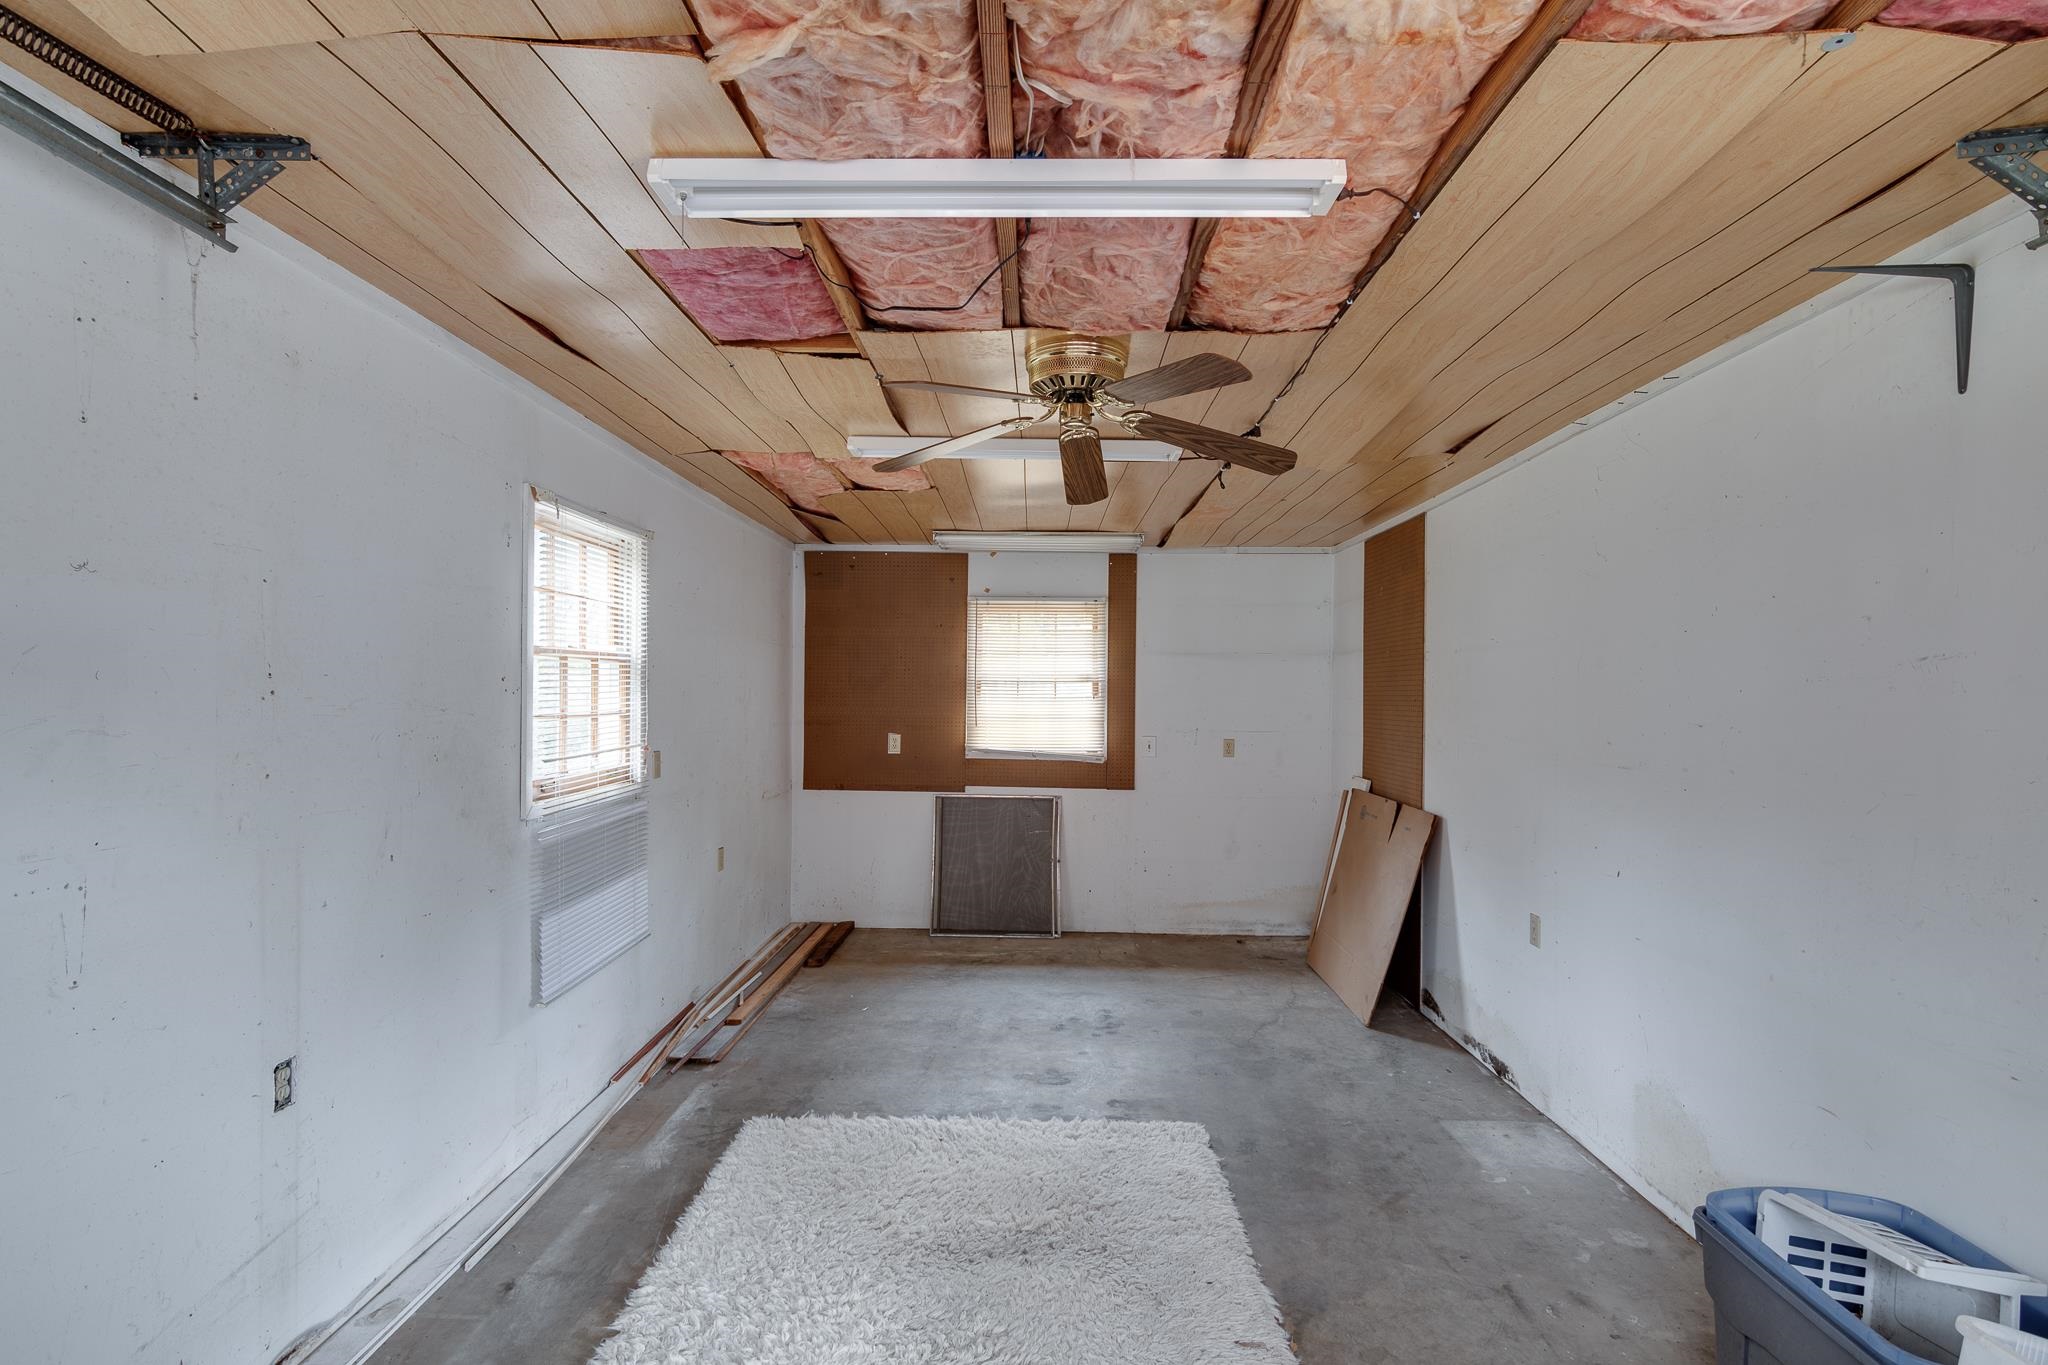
(1002, 141)
(1269, 45)
(1553, 21)
(1852, 13)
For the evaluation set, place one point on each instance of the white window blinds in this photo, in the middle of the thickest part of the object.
(588, 736)
(1037, 678)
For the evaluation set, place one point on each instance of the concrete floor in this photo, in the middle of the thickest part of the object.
(1404, 1205)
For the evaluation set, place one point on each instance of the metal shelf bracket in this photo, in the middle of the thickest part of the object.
(2006, 155)
(1963, 284)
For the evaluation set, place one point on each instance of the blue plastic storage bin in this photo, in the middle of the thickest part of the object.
(1767, 1313)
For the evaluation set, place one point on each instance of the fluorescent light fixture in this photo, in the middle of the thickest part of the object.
(1004, 448)
(1091, 542)
(1038, 187)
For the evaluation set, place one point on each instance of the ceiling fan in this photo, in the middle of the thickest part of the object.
(1079, 380)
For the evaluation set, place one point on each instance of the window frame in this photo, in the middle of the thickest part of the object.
(639, 666)
(1102, 681)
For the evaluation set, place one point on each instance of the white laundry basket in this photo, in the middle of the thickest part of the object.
(1993, 1343)
(1904, 1290)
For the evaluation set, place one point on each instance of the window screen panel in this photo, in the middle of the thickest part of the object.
(1037, 678)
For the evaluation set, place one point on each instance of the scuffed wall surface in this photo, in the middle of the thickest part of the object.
(1147, 78)
(2008, 20)
(1378, 85)
(1650, 21)
(747, 293)
(846, 79)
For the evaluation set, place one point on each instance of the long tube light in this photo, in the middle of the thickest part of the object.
(1039, 187)
(1005, 448)
(1094, 542)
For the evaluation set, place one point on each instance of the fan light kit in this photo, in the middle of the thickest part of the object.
(1047, 187)
(1079, 381)
(1091, 542)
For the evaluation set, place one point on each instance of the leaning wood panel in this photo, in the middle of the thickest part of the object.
(885, 650)
(1394, 596)
(1379, 856)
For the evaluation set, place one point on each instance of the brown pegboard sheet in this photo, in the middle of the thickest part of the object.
(1394, 589)
(1365, 896)
(1118, 772)
(885, 650)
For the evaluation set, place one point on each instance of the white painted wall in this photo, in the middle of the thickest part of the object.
(261, 548)
(1229, 644)
(1742, 692)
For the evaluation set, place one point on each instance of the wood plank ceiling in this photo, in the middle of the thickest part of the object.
(1632, 207)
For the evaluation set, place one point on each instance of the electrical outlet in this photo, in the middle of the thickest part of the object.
(1535, 930)
(1230, 748)
(895, 743)
(1149, 746)
(281, 1084)
(721, 857)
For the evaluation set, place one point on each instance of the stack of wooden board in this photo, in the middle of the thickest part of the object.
(1375, 858)
(710, 1029)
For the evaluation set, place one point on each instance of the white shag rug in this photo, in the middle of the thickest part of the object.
(960, 1241)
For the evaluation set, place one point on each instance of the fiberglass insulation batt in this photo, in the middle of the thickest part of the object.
(1143, 78)
(1651, 21)
(747, 293)
(2010, 21)
(1379, 85)
(843, 79)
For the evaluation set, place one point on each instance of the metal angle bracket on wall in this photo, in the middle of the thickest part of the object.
(1963, 282)
(2006, 155)
(252, 159)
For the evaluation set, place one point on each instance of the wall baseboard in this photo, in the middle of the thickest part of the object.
(358, 1330)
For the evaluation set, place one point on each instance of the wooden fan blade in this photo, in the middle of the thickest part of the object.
(1197, 372)
(932, 386)
(911, 459)
(1212, 444)
(1081, 465)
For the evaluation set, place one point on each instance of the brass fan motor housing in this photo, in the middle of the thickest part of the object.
(1067, 367)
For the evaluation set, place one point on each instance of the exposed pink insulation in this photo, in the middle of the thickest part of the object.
(863, 474)
(1378, 85)
(747, 293)
(2007, 20)
(839, 79)
(1103, 275)
(1656, 21)
(1150, 78)
(799, 476)
(806, 481)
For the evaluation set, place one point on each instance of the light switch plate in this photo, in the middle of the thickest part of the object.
(1535, 930)
(895, 743)
(721, 857)
(1149, 746)
(1230, 748)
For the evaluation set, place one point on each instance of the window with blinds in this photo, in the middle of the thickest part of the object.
(1037, 678)
(586, 750)
(588, 712)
